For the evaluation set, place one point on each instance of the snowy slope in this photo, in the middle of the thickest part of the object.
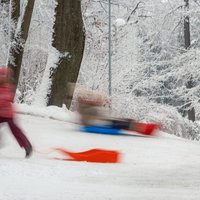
(157, 168)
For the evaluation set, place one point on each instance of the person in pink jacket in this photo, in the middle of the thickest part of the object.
(7, 113)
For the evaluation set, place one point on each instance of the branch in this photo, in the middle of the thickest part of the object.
(134, 10)
(181, 6)
(102, 6)
(197, 2)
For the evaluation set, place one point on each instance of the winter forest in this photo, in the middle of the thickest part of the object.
(155, 63)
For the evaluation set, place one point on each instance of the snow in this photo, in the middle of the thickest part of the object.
(41, 95)
(158, 168)
(120, 22)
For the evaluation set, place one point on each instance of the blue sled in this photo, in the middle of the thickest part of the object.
(102, 130)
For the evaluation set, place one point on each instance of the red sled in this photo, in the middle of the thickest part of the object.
(92, 155)
(145, 129)
(135, 128)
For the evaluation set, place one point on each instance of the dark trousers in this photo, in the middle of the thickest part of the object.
(121, 124)
(16, 131)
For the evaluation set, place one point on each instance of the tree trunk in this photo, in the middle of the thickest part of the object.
(68, 39)
(15, 13)
(189, 85)
(187, 26)
(191, 111)
(17, 55)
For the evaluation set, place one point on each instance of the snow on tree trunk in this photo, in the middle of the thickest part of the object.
(69, 40)
(41, 97)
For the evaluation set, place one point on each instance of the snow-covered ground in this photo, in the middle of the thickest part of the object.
(158, 168)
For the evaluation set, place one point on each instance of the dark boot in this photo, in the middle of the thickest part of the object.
(29, 151)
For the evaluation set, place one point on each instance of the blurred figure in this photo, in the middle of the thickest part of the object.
(7, 110)
(92, 110)
(91, 107)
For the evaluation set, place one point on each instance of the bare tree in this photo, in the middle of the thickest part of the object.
(15, 13)
(22, 33)
(187, 26)
(189, 85)
(68, 39)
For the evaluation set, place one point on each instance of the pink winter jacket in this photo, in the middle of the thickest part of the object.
(6, 98)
